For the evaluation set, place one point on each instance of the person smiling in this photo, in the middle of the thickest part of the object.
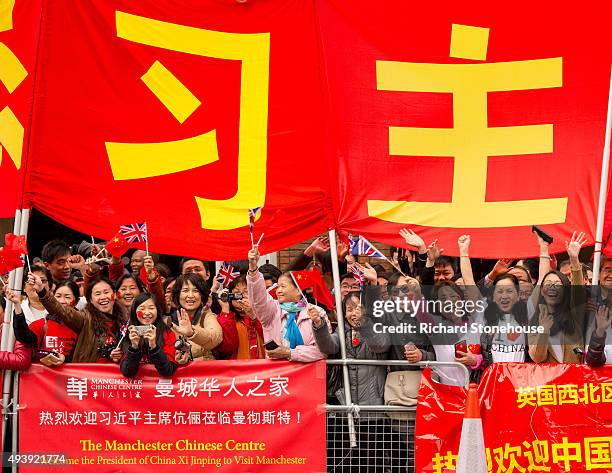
(97, 325)
(285, 321)
(193, 320)
(155, 345)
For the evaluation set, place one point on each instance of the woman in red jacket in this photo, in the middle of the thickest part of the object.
(20, 358)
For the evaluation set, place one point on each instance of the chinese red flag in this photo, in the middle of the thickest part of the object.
(9, 260)
(467, 117)
(16, 243)
(19, 35)
(184, 115)
(117, 246)
(313, 279)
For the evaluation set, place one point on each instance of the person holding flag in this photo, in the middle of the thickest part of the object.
(286, 322)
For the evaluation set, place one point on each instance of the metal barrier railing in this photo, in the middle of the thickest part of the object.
(375, 438)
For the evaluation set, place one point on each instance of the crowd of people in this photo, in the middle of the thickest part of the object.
(73, 309)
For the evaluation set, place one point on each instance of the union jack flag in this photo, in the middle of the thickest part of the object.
(252, 214)
(359, 246)
(134, 232)
(227, 273)
(358, 274)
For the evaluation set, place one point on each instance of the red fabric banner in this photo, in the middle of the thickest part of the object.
(19, 37)
(455, 118)
(184, 116)
(259, 416)
(549, 417)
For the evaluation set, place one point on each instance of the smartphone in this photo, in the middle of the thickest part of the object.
(460, 347)
(142, 329)
(37, 355)
(542, 234)
(271, 345)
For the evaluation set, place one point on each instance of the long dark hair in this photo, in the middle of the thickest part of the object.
(118, 316)
(159, 324)
(493, 313)
(435, 293)
(563, 312)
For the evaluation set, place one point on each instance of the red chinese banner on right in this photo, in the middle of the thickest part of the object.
(455, 117)
(550, 418)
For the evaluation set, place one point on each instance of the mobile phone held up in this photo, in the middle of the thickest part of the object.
(271, 345)
(542, 234)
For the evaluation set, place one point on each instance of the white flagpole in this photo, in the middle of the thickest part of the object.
(147, 238)
(603, 186)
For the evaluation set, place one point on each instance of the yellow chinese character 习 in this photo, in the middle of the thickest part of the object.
(598, 453)
(547, 395)
(447, 462)
(471, 141)
(589, 394)
(143, 160)
(567, 394)
(526, 397)
(12, 74)
(566, 452)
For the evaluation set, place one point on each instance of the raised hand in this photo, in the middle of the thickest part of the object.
(602, 320)
(35, 281)
(369, 272)
(464, 245)
(134, 337)
(184, 326)
(546, 318)
(13, 297)
(413, 239)
(433, 252)
(577, 242)
(149, 267)
(501, 267)
(314, 315)
(253, 258)
(319, 245)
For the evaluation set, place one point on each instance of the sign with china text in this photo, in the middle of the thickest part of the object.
(258, 416)
(549, 417)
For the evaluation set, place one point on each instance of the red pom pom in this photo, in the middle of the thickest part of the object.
(356, 342)
(139, 313)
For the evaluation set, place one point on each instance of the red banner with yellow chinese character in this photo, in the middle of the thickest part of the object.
(548, 417)
(19, 38)
(184, 116)
(455, 117)
(258, 416)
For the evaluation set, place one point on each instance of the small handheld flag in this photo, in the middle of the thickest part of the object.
(227, 273)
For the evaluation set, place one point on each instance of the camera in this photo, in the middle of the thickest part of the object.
(183, 346)
(142, 329)
(230, 296)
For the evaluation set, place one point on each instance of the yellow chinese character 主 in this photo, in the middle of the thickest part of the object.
(471, 141)
(567, 394)
(144, 160)
(589, 394)
(442, 463)
(598, 453)
(526, 397)
(12, 74)
(566, 452)
(547, 395)
(537, 455)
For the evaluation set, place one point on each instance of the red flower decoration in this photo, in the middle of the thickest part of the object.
(356, 342)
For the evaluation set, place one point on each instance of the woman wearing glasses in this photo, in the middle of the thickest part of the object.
(561, 312)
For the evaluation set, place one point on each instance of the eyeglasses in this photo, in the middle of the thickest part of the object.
(404, 289)
(354, 287)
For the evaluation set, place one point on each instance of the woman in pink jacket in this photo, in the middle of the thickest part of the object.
(285, 321)
(20, 358)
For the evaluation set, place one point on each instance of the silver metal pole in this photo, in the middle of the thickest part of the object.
(341, 335)
(6, 331)
(15, 418)
(603, 186)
